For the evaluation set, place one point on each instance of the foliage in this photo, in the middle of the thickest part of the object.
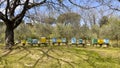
(69, 18)
(42, 29)
(103, 21)
(95, 29)
(61, 30)
(50, 20)
(22, 32)
(112, 29)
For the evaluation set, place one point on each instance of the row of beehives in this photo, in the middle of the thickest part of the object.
(59, 41)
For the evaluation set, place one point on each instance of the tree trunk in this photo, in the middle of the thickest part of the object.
(9, 37)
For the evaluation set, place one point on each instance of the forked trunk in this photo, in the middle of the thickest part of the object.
(9, 37)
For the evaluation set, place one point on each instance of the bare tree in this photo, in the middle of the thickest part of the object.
(12, 19)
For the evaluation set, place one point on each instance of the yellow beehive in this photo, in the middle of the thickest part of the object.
(23, 41)
(59, 40)
(43, 40)
(100, 41)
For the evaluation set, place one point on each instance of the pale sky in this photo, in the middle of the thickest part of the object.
(99, 11)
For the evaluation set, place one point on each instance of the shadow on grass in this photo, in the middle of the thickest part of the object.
(91, 60)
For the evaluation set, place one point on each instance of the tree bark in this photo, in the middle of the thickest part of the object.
(9, 37)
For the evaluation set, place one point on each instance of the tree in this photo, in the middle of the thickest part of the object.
(61, 30)
(95, 29)
(23, 31)
(49, 20)
(42, 29)
(112, 29)
(69, 18)
(103, 21)
(13, 17)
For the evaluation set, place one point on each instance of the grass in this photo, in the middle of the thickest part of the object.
(60, 57)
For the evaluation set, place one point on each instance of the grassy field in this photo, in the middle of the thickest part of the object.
(60, 57)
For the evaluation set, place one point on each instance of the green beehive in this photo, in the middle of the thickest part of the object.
(29, 40)
(80, 41)
(94, 41)
(64, 40)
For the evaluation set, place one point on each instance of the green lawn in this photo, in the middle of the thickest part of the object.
(60, 57)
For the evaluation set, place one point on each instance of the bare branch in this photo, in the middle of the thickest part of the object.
(110, 6)
(2, 2)
(20, 16)
(26, 7)
(58, 4)
(13, 7)
(6, 10)
(83, 7)
(36, 4)
(2, 16)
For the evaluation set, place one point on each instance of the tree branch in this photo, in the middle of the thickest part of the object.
(2, 2)
(14, 5)
(20, 16)
(26, 7)
(36, 4)
(6, 10)
(58, 4)
(2, 16)
(83, 6)
(113, 8)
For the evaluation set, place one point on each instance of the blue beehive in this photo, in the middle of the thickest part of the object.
(106, 41)
(73, 40)
(34, 41)
(54, 40)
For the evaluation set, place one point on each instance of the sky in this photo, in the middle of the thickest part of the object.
(45, 11)
(99, 11)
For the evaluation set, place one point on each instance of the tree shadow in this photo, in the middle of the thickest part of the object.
(45, 53)
(59, 60)
(5, 53)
